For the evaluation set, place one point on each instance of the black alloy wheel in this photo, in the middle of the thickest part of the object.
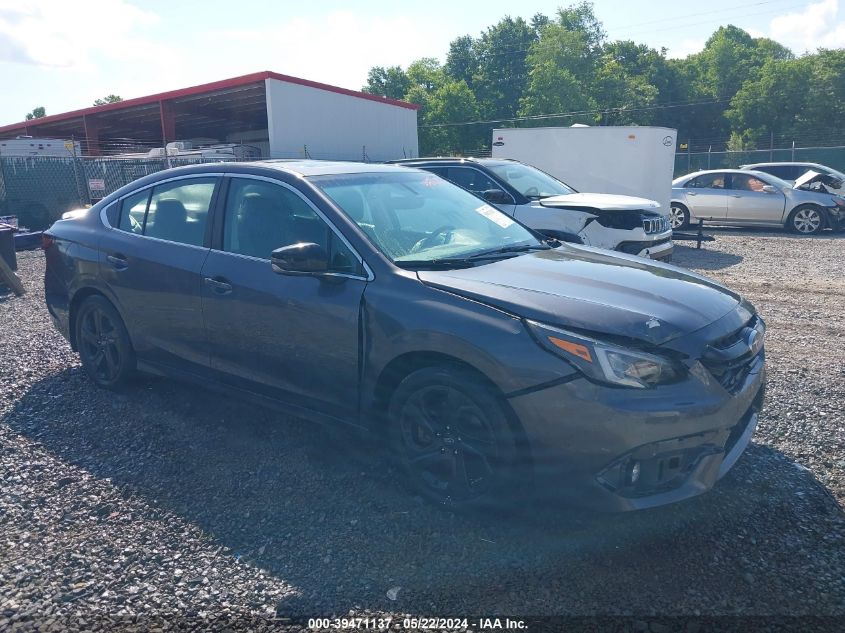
(452, 438)
(103, 343)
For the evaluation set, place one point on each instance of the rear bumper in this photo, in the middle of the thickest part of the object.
(587, 440)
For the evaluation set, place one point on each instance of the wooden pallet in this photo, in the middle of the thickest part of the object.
(10, 279)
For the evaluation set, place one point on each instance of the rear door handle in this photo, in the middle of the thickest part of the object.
(218, 285)
(117, 261)
(691, 193)
(735, 195)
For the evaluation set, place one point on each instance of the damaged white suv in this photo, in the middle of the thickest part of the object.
(621, 223)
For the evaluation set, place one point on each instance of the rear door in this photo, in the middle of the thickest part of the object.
(706, 197)
(291, 337)
(749, 203)
(152, 262)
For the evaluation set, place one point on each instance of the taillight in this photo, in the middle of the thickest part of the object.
(46, 241)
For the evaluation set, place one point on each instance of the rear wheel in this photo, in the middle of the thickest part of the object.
(103, 343)
(450, 435)
(806, 220)
(678, 216)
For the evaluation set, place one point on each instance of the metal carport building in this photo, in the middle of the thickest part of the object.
(283, 116)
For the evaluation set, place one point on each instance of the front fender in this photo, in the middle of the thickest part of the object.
(405, 316)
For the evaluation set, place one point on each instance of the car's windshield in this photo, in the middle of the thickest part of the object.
(529, 181)
(419, 217)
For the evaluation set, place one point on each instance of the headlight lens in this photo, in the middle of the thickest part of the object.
(605, 362)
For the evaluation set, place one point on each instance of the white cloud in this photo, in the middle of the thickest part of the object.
(338, 48)
(820, 25)
(686, 47)
(62, 34)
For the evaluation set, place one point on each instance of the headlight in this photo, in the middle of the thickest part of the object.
(605, 362)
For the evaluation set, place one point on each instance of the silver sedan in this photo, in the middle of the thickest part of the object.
(752, 198)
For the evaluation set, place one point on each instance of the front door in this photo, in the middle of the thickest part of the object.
(294, 338)
(706, 197)
(749, 202)
(152, 264)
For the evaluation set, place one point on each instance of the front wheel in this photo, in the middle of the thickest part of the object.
(806, 220)
(678, 216)
(103, 343)
(450, 435)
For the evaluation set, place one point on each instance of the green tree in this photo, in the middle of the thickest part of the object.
(427, 73)
(502, 74)
(36, 113)
(108, 99)
(389, 82)
(452, 102)
(462, 60)
(773, 102)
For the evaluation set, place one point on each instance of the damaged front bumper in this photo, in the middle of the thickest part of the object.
(617, 449)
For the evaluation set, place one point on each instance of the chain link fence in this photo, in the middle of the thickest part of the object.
(686, 162)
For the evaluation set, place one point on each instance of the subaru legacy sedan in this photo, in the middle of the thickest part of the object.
(490, 360)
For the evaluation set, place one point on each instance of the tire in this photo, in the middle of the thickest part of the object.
(678, 216)
(450, 435)
(103, 343)
(806, 220)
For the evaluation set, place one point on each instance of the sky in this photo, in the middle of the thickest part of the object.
(63, 54)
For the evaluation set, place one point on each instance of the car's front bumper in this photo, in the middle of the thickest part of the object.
(836, 218)
(654, 249)
(585, 439)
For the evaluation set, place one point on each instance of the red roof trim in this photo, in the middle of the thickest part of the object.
(209, 87)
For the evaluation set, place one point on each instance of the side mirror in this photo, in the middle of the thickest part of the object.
(305, 258)
(497, 196)
(770, 189)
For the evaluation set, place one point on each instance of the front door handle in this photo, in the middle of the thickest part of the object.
(691, 193)
(218, 285)
(735, 195)
(117, 261)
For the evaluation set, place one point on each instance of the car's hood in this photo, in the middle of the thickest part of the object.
(606, 201)
(809, 177)
(595, 290)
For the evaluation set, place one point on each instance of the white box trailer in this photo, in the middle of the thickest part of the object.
(632, 161)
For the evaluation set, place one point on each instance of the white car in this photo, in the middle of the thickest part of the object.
(621, 223)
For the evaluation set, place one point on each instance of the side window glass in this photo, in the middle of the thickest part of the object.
(708, 181)
(262, 216)
(132, 212)
(742, 182)
(178, 211)
(470, 179)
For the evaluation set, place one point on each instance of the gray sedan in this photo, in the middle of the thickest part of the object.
(752, 198)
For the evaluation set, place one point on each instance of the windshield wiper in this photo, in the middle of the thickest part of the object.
(469, 260)
(508, 250)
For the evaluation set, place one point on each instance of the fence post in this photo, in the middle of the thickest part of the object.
(689, 157)
(793, 151)
(771, 146)
(709, 150)
(75, 172)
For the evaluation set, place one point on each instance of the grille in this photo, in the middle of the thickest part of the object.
(657, 224)
(731, 358)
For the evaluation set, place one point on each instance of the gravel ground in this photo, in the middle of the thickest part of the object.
(170, 503)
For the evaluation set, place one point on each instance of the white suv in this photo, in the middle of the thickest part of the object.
(540, 201)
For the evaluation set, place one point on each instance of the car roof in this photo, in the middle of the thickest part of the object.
(773, 164)
(449, 160)
(296, 167)
(721, 171)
